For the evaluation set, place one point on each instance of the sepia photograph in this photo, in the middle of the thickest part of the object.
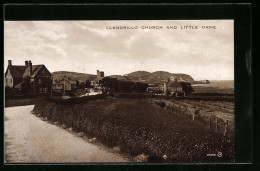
(119, 91)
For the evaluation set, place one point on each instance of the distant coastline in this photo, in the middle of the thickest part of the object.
(217, 84)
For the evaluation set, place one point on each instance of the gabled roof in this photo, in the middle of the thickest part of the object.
(174, 84)
(16, 71)
(35, 70)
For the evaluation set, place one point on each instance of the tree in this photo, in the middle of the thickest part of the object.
(77, 84)
(82, 85)
(123, 86)
(140, 87)
(187, 87)
(168, 92)
(110, 83)
(88, 84)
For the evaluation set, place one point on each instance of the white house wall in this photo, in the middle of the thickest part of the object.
(9, 82)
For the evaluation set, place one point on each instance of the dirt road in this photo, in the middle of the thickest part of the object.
(28, 139)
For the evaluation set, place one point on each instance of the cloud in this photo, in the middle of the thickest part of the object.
(84, 46)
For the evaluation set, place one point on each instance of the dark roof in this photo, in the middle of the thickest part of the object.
(174, 84)
(16, 71)
(35, 70)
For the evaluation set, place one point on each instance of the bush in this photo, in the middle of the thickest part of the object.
(162, 104)
(140, 129)
(70, 93)
(19, 102)
(55, 93)
(123, 86)
(132, 95)
(75, 100)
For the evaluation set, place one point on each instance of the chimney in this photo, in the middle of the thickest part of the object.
(9, 62)
(26, 64)
(30, 68)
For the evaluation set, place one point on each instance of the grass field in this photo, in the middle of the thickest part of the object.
(140, 126)
(200, 89)
(216, 115)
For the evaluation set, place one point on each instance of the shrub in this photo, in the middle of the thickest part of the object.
(162, 104)
(140, 129)
(123, 86)
(75, 100)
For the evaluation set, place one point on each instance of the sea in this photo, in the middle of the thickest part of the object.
(222, 84)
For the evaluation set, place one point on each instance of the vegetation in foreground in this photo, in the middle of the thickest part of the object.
(139, 126)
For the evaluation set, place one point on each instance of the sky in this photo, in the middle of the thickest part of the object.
(85, 46)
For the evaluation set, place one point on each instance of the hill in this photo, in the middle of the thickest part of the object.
(120, 77)
(137, 73)
(137, 76)
(158, 76)
(73, 76)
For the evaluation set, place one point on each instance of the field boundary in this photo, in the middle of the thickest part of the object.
(209, 121)
(19, 102)
(147, 131)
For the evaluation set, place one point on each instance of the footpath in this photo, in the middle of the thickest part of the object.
(28, 139)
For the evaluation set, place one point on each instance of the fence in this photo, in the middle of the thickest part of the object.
(210, 121)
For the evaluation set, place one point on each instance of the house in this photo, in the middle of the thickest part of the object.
(154, 88)
(173, 87)
(14, 75)
(60, 85)
(37, 76)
